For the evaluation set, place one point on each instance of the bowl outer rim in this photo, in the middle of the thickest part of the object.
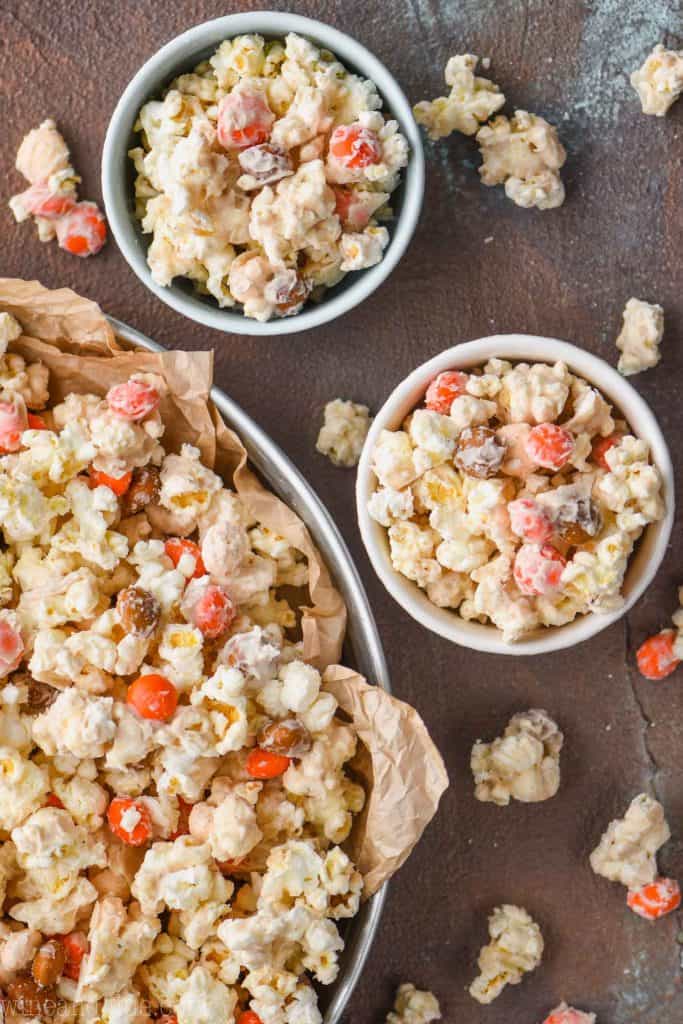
(363, 632)
(139, 90)
(404, 397)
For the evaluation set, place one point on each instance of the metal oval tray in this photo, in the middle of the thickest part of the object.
(362, 647)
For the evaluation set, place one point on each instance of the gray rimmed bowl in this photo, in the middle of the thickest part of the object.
(362, 647)
(181, 55)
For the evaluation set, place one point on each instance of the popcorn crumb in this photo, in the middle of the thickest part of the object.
(525, 154)
(524, 764)
(640, 337)
(343, 432)
(516, 948)
(659, 80)
(413, 1006)
(471, 102)
(627, 851)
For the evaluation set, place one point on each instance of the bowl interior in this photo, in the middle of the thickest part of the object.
(649, 549)
(181, 56)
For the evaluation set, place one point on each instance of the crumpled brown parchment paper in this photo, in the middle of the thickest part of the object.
(402, 770)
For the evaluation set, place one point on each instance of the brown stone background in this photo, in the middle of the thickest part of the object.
(565, 273)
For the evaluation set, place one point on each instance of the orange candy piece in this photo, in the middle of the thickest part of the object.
(538, 568)
(213, 612)
(75, 947)
(601, 446)
(13, 422)
(54, 801)
(176, 547)
(244, 119)
(82, 231)
(549, 446)
(564, 1014)
(153, 696)
(355, 146)
(40, 202)
(444, 389)
(133, 400)
(118, 484)
(656, 658)
(36, 422)
(262, 764)
(656, 899)
(137, 833)
(11, 648)
(249, 1017)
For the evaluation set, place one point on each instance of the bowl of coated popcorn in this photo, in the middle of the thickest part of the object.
(262, 173)
(515, 495)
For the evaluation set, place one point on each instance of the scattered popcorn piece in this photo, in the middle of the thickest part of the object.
(659, 80)
(343, 432)
(52, 198)
(627, 851)
(640, 336)
(525, 154)
(516, 947)
(471, 102)
(523, 764)
(414, 1006)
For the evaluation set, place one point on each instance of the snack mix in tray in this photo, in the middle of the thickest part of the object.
(515, 495)
(174, 778)
(263, 174)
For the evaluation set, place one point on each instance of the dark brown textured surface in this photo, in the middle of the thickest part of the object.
(478, 265)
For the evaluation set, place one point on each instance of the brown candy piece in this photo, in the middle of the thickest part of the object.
(28, 999)
(479, 452)
(48, 963)
(579, 520)
(288, 290)
(266, 163)
(289, 738)
(139, 611)
(40, 696)
(143, 491)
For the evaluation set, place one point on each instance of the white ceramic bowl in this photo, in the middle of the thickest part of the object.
(517, 348)
(181, 55)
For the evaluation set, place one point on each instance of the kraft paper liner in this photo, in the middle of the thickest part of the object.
(403, 772)
(404, 775)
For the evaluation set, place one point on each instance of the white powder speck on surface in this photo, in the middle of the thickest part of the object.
(615, 39)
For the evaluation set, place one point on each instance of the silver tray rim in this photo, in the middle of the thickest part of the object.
(362, 634)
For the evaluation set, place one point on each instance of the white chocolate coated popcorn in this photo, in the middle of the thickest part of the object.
(640, 337)
(471, 102)
(516, 947)
(523, 764)
(627, 852)
(343, 432)
(659, 80)
(413, 1006)
(525, 154)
